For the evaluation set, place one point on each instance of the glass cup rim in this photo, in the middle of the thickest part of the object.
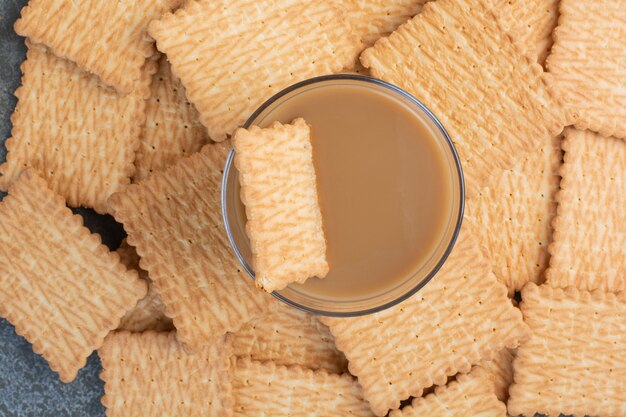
(457, 162)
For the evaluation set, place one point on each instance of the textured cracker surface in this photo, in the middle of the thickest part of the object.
(77, 133)
(493, 102)
(263, 389)
(150, 374)
(61, 288)
(575, 363)
(513, 216)
(268, 48)
(588, 61)
(190, 264)
(106, 38)
(500, 369)
(463, 315)
(279, 190)
(172, 129)
(288, 336)
(589, 247)
(470, 393)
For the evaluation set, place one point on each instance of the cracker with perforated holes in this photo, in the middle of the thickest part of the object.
(575, 363)
(267, 48)
(500, 370)
(173, 219)
(279, 190)
(493, 101)
(589, 247)
(462, 316)
(150, 374)
(588, 64)
(61, 288)
(106, 38)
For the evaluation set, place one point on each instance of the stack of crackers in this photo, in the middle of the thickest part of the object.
(533, 94)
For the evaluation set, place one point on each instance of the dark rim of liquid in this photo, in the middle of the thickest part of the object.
(457, 162)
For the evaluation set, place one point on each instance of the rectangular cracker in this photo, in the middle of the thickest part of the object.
(150, 374)
(172, 129)
(264, 389)
(513, 216)
(575, 363)
(587, 64)
(500, 370)
(288, 336)
(61, 288)
(494, 103)
(77, 133)
(469, 393)
(173, 219)
(218, 46)
(106, 38)
(463, 315)
(279, 190)
(589, 247)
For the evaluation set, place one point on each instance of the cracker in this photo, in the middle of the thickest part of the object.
(494, 103)
(173, 219)
(500, 369)
(172, 128)
(288, 336)
(512, 216)
(149, 313)
(469, 393)
(278, 188)
(78, 134)
(61, 288)
(463, 315)
(587, 62)
(106, 38)
(218, 46)
(267, 390)
(589, 248)
(575, 363)
(150, 374)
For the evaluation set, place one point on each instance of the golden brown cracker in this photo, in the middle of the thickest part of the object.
(463, 315)
(589, 247)
(77, 133)
(173, 219)
(232, 56)
(575, 363)
(106, 38)
(150, 374)
(61, 288)
(279, 190)
(494, 103)
(513, 215)
(263, 389)
(500, 370)
(172, 129)
(588, 64)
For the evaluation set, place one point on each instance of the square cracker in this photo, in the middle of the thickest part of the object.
(589, 247)
(172, 129)
(469, 393)
(77, 133)
(61, 288)
(173, 219)
(217, 47)
(263, 389)
(588, 64)
(513, 216)
(500, 370)
(288, 336)
(455, 58)
(106, 38)
(279, 190)
(150, 374)
(575, 363)
(463, 315)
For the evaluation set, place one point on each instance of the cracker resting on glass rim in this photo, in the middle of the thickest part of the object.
(279, 190)
(61, 287)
